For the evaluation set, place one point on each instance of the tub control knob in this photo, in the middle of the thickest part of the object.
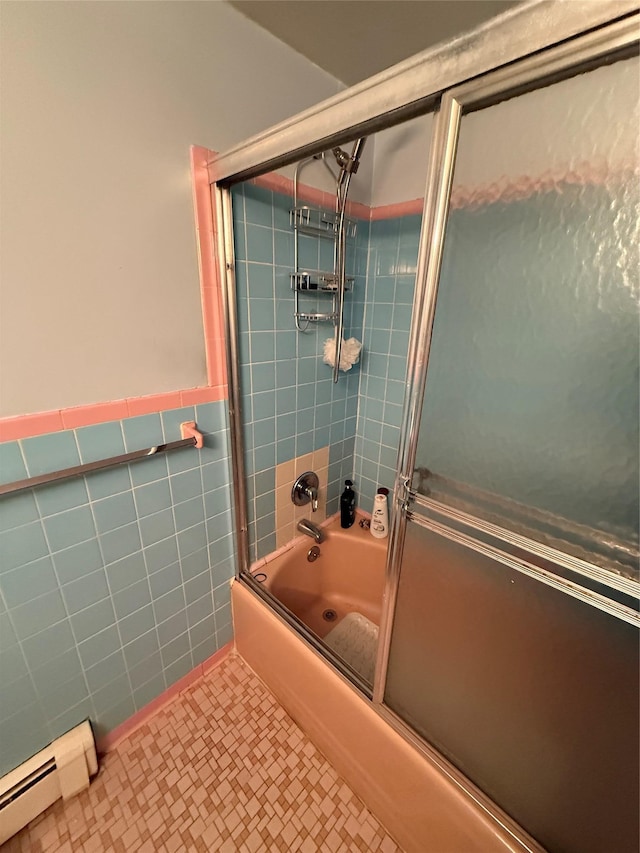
(305, 490)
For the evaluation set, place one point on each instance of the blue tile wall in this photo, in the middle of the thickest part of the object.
(114, 586)
(393, 255)
(290, 403)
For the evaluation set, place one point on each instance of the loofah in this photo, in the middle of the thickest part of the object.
(349, 353)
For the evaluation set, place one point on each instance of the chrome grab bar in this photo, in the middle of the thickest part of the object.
(194, 439)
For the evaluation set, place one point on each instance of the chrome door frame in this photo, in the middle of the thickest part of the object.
(583, 53)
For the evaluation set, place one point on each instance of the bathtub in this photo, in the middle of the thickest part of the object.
(409, 789)
(347, 577)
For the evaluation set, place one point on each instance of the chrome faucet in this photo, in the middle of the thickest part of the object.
(305, 490)
(312, 530)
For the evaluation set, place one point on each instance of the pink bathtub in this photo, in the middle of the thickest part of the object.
(347, 577)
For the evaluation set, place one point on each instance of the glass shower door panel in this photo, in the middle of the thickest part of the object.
(531, 693)
(531, 409)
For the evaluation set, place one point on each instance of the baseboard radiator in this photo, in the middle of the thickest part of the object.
(62, 770)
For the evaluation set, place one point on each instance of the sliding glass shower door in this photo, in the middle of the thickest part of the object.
(514, 644)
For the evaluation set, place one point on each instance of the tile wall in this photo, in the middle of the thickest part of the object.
(114, 586)
(393, 255)
(291, 407)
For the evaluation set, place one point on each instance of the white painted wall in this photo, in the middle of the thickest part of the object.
(592, 119)
(100, 103)
(602, 106)
(401, 160)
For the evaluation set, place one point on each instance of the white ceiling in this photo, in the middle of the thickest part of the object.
(353, 39)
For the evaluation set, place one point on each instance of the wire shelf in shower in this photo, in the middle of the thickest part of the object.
(318, 281)
(319, 223)
(310, 317)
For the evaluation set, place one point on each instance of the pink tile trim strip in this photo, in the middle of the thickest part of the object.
(25, 426)
(210, 285)
(109, 741)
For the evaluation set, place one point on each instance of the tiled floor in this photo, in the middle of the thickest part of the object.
(222, 768)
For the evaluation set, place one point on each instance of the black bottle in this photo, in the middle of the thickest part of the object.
(347, 505)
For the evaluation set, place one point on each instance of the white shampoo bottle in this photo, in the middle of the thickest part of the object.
(380, 517)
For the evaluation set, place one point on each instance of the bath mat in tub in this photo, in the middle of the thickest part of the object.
(355, 639)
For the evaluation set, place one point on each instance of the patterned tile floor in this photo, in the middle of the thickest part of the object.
(222, 768)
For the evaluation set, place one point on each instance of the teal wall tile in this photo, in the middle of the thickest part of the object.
(92, 620)
(114, 716)
(20, 585)
(38, 614)
(143, 431)
(21, 695)
(57, 671)
(120, 543)
(149, 691)
(17, 510)
(161, 554)
(52, 452)
(69, 528)
(85, 591)
(165, 580)
(59, 497)
(126, 571)
(172, 419)
(12, 466)
(141, 648)
(12, 664)
(153, 498)
(77, 561)
(22, 545)
(180, 668)
(114, 512)
(188, 513)
(137, 624)
(194, 564)
(131, 599)
(150, 667)
(175, 649)
(40, 649)
(107, 670)
(100, 441)
(99, 646)
(112, 481)
(169, 604)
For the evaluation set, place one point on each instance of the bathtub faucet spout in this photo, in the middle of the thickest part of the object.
(312, 530)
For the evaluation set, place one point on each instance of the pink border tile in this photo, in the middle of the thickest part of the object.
(109, 741)
(210, 285)
(25, 426)
(401, 208)
(99, 413)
